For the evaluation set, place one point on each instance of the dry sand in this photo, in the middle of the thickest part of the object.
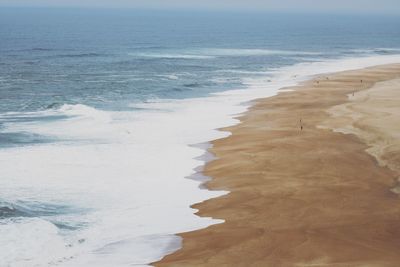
(321, 196)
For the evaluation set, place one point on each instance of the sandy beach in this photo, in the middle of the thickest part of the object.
(313, 175)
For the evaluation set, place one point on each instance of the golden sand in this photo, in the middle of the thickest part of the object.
(321, 196)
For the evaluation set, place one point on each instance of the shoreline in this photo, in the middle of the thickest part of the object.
(240, 164)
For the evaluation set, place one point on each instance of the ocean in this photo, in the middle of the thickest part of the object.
(106, 115)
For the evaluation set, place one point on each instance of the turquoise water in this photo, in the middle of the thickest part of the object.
(98, 109)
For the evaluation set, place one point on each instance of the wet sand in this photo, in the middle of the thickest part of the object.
(324, 195)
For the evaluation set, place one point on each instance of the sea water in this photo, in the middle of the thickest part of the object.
(105, 114)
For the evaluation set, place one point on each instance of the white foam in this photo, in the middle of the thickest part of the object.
(252, 52)
(172, 56)
(209, 53)
(32, 240)
(128, 178)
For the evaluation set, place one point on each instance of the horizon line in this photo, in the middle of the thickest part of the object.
(210, 10)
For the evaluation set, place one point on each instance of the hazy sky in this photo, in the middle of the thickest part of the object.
(369, 6)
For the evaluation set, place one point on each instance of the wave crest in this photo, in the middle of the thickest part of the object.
(210, 53)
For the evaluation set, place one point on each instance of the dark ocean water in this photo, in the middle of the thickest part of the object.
(98, 107)
(109, 58)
